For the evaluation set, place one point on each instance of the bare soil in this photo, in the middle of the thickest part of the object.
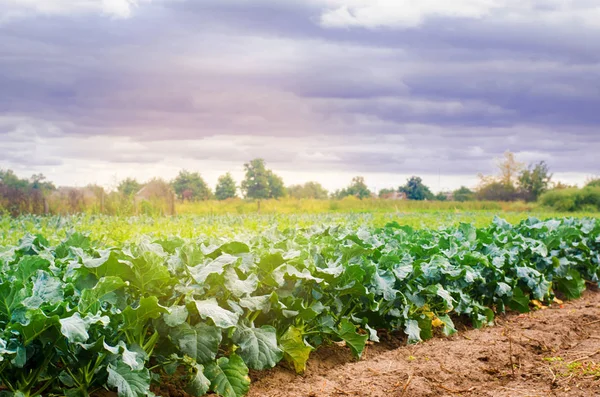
(552, 351)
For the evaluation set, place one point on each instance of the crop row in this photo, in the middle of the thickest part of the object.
(81, 316)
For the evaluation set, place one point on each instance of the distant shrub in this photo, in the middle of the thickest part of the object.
(586, 199)
(497, 191)
(593, 183)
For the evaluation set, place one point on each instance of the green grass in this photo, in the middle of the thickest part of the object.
(116, 229)
(348, 204)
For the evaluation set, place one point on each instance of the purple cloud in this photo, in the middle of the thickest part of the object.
(366, 93)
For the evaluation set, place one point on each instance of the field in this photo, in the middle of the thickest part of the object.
(195, 304)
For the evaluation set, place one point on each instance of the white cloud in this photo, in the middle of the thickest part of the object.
(411, 13)
(114, 8)
(401, 13)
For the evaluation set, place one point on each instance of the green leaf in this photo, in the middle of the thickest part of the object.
(383, 284)
(136, 319)
(35, 324)
(4, 350)
(150, 273)
(221, 317)
(503, 289)
(228, 376)
(74, 328)
(240, 287)
(354, 340)
(29, 265)
(258, 346)
(372, 333)
(235, 248)
(200, 342)
(295, 350)
(134, 358)
(47, 290)
(519, 301)
(92, 297)
(128, 383)
(199, 384)
(483, 316)
(256, 303)
(201, 272)
(448, 328)
(413, 331)
(176, 316)
(107, 265)
(11, 297)
(572, 285)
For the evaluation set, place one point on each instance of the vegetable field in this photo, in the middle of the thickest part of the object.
(89, 304)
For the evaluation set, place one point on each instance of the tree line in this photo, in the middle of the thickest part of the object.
(513, 181)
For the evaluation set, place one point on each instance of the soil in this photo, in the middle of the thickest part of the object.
(553, 351)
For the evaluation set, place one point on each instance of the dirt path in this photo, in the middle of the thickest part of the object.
(555, 352)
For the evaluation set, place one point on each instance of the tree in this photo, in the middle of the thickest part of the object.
(463, 194)
(504, 186)
(128, 187)
(441, 196)
(9, 179)
(38, 181)
(225, 188)
(309, 190)
(595, 182)
(497, 191)
(190, 186)
(261, 183)
(416, 190)
(561, 186)
(534, 181)
(256, 183)
(276, 185)
(384, 193)
(509, 168)
(18, 196)
(358, 188)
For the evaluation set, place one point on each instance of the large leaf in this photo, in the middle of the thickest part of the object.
(222, 318)
(200, 342)
(413, 331)
(11, 297)
(239, 287)
(91, 298)
(127, 382)
(201, 272)
(136, 319)
(383, 284)
(74, 328)
(134, 358)
(354, 340)
(258, 346)
(107, 264)
(176, 316)
(47, 290)
(35, 323)
(199, 384)
(572, 285)
(150, 273)
(519, 301)
(295, 349)
(29, 265)
(448, 325)
(228, 376)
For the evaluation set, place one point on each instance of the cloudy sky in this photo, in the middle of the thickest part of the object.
(100, 90)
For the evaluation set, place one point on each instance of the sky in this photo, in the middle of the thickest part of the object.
(94, 91)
